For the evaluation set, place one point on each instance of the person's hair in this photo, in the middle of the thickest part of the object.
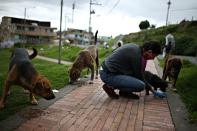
(154, 46)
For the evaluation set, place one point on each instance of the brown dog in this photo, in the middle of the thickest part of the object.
(85, 59)
(22, 72)
(172, 68)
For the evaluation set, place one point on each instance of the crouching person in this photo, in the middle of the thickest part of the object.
(124, 69)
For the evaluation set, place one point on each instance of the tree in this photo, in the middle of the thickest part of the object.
(144, 24)
(152, 26)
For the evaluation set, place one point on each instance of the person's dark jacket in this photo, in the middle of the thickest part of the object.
(126, 60)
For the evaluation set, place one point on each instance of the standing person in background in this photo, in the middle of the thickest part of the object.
(169, 45)
(124, 69)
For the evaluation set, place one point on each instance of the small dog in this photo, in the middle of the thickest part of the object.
(172, 68)
(155, 81)
(23, 73)
(85, 59)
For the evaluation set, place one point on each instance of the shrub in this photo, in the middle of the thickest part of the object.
(186, 46)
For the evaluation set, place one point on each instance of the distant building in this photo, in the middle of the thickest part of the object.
(105, 38)
(26, 31)
(77, 36)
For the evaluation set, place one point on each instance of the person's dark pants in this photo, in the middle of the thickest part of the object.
(122, 82)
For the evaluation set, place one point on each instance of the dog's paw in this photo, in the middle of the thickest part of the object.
(34, 102)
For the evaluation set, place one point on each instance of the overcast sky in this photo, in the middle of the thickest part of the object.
(112, 17)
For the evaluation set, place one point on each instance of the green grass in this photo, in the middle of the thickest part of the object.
(57, 74)
(186, 86)
(187, 89)
(103, 53)
(68, 52)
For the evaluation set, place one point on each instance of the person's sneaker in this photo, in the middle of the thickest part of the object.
(110, 91)
(128, 95)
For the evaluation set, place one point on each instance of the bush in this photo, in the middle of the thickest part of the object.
(172, 28)
(186, 86)
(186, 46)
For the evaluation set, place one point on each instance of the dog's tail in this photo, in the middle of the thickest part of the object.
(34, 54)
(95, 37)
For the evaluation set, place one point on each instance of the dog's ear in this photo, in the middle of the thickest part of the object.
(43, 88)
(43, 82)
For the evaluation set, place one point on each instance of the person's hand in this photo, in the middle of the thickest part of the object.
(159, 94)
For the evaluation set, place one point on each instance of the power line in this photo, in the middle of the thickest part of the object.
(184, 9)
(91, 12)
(117, 2)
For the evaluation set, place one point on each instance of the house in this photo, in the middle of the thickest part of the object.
(77, 36)
(26, 31)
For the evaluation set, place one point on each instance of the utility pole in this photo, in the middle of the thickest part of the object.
(66, 16)
(169, 3)
(73, 8)
(91, 12)
(60, 37)
(24, 23)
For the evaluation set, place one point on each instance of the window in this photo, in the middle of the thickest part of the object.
(31, 28)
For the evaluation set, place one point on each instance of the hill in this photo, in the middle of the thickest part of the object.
(185, 35)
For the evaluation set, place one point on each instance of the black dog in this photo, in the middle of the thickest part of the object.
(155, 81)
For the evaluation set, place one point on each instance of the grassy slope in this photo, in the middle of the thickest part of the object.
(185, 37)
(187, 88)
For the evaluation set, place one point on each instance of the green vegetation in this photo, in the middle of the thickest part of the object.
(68, 52)
(184, 33)
(186, 86)
(103, 53)
(144, 25)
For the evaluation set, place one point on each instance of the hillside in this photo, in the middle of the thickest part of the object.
(185, 35)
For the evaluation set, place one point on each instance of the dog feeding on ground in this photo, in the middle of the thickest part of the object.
(23, 73)
(86, 58)
(171, 70)
(155, 81)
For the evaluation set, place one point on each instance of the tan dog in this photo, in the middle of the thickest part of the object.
(172, 68)
(23, 73)
(85, 59)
